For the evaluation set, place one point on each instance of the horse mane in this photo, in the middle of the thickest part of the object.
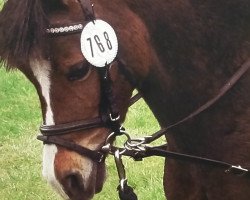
(22, 29)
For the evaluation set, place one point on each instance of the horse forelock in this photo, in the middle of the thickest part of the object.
(22, 28)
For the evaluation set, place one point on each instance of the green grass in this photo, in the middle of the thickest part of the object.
(20, 152)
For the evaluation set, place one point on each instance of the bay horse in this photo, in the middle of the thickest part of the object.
(178, 54)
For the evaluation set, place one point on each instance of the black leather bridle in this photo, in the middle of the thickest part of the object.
(109, 118)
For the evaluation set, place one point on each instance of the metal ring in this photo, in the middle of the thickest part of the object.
(127, 135)
(127, 146)
(114, 119)
(135, 148)
(136, 142)
(107, 146)
(110, 136)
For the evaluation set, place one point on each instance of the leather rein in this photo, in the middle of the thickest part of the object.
(109, 118)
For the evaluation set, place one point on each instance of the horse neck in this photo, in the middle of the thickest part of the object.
(197, 51)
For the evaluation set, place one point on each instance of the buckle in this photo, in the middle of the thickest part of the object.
(114, 118)
(101, 158)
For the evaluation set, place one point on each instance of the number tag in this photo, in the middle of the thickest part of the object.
(99, 43)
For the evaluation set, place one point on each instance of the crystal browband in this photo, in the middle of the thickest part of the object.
(65, 29)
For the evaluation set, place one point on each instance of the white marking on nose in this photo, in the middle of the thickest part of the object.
(49, 152)
(42, 70)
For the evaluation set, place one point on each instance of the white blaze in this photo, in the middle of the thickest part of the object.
(41, 70)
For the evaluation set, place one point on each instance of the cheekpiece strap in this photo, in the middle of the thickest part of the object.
(88, 10)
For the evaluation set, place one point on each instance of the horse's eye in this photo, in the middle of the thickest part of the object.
(79, 71)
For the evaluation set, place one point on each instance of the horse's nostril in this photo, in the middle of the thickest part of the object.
(73, 184)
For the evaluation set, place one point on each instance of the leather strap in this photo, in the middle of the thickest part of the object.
(134, 99)
(229, 168)
(87, 9)
(65, 128)
(162, 152)
(61, 129)
(93, 155)
(231, 82)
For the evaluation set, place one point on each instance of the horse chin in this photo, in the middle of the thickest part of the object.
(96, 183)
(78, 186)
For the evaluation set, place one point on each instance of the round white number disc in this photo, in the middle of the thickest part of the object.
(99, 43)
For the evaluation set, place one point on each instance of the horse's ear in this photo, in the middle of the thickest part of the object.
(22, 28)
